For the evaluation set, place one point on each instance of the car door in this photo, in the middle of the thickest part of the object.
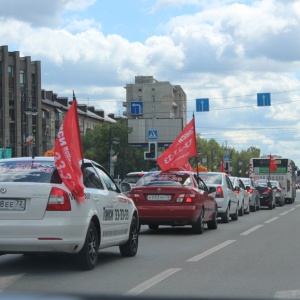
(245, 194)
(122, 210)
(232, 195)
(100, 198)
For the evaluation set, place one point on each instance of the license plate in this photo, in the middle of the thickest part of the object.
(7, 204)
(159, 197)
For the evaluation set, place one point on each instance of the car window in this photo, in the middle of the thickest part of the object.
(241, 184)
(229, 183)
(90, 177)
(170, 179)
(29, 171)
(211, 178)
(109, 183)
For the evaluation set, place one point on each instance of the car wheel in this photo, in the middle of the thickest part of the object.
(225, 216)
(154, 227)
(131, 246)
(271, 206)
(88, 256)
(235, 216)
(198, 226)
(241, 210)
(213, 224)
(253, 208)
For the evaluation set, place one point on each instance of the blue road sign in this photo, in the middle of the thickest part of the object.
(136, 108)
(202, 104)
(152, 135)
(226, 157)
(263, 99)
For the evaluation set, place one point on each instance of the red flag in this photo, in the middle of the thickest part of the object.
(184, 146)
(222, 167)
(68, 153)
(187, 167)
(272, 166)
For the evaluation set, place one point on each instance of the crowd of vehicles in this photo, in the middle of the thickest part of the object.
(38, 214)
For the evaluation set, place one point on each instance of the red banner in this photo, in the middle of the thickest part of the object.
(273, 166)
(68, 153)
(222, 167)
(184, 146)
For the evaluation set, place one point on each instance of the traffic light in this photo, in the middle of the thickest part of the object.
(152, 152)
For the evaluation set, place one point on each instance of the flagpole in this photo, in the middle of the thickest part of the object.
(197, 162)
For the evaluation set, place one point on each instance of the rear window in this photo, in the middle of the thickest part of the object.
(29, 171)
(211, 178)
(133, 178)
(169, 179)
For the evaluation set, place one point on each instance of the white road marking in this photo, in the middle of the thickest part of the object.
(286, 212)
(271, 220)
(152, 281)
(288, 294)
(210, 251)
(251, 230)
(6, 281)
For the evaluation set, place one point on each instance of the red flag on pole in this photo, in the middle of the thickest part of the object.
(272, 166)
(68, 153)
(184, 146)
(222, 167)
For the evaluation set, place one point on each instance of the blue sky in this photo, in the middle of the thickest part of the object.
(227, 51)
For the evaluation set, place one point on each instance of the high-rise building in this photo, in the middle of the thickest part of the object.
(156, 111)
(20, 104)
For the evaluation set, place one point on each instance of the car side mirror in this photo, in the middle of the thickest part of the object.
(125, 187)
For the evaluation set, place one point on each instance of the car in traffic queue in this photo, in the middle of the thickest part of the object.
(39, 215)
(175, 198)
(241, 192)
(133, 177)
(225, 196)
(253, 193)
(279, 193)
(266, 193)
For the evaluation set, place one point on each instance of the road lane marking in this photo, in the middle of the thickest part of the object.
(297, 205)
(288, 294)
(251, 230)
(286, 212)
(6, 281)
(210, 251)
(271, 220)
(152, 281)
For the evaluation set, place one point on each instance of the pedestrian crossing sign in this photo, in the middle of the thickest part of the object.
(152, 135)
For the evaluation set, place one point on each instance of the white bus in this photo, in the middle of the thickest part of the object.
(285, 173)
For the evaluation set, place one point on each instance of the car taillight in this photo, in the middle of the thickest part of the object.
(278, 191)
(187, 198)
(267, 192)
(236, 191)
(133, 197)
(250, 191)
(219, 192)
(58, 200)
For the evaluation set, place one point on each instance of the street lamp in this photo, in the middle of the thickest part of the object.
(27, 111)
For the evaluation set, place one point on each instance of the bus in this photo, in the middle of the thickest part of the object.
(285, 173)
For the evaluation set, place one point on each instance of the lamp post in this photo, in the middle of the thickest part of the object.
(28, 138)
(112, 153)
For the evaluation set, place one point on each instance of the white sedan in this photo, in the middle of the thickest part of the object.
(39, 215)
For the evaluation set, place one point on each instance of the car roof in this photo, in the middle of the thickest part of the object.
(36, 158)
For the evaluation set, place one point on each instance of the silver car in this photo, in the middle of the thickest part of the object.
(279, 192)
(253, 193)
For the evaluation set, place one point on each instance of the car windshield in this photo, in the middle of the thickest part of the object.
(29, 171)
(165, 179)
(211, 178)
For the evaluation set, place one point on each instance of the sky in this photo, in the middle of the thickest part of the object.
(225, 51)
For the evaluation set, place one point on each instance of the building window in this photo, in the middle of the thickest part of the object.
(11, 114)
(22, 78)
(11, 96)
(10, 71)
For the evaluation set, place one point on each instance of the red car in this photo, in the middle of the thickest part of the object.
(175, 198)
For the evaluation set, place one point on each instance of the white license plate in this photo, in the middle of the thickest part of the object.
(7, 204)
(159, 197)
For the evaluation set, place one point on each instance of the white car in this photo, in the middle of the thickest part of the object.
(242, 194)
(38, 214)
(133, 177)
(225, 195)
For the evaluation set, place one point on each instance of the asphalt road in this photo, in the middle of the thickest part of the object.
(254, 257)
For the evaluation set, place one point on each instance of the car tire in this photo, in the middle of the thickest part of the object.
(226, 216)
(235, 216)
(88, 256)
(241, 210)
(213, 224)
(130, 248)
(198, 226)
(153, 227)
(271, 206)
(253, 208)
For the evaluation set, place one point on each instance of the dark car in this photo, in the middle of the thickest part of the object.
(266, 193)
(175, 198)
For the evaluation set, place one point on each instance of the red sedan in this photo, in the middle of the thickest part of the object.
(175, 198)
